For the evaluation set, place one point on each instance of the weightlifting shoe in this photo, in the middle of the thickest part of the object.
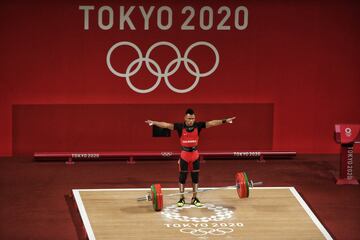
(181, 202)
(195, 201)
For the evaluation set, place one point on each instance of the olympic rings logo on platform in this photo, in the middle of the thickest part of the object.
(205, 231)
(149, 62)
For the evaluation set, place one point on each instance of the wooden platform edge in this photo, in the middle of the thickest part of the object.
(84, 217)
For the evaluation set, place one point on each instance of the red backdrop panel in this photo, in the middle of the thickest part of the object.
(123, 127)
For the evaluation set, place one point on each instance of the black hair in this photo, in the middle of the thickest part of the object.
(189, 111)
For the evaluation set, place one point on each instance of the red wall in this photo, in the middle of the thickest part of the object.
(300, 56)
(120, 127)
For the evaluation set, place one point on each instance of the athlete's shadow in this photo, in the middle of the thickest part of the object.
(147, 208)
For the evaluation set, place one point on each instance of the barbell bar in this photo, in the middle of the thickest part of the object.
(242, 188)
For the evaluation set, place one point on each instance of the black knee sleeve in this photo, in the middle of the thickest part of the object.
(195, 177)
(182, 177)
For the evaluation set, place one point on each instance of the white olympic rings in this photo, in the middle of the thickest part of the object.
(157, 72)
(166, 154)
(205, 231)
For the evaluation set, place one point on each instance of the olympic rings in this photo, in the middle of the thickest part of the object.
(158, 72)
(205, 231)
(167, 154)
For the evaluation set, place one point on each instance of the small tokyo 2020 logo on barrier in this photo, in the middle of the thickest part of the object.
(170, 69)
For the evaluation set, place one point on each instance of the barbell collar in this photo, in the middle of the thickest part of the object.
(147, 197)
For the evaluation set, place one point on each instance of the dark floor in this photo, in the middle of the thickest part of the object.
(34, 203)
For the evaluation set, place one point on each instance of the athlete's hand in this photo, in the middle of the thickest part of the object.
(230, 120)
(149, 122)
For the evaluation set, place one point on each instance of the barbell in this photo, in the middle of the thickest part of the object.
(242, 188)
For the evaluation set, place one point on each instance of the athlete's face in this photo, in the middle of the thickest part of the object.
(189, 119)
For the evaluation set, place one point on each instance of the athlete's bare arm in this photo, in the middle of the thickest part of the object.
(160, 124)
(214, 123)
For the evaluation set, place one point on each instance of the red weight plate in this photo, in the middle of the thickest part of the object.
(247, 184)
(240, 184)
(159, 197)
(154, 197)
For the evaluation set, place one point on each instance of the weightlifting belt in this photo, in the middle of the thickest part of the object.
(189, 149)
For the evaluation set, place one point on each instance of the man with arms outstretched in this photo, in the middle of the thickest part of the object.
(189, 161)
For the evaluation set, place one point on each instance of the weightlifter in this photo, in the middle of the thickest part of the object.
(189, 161)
